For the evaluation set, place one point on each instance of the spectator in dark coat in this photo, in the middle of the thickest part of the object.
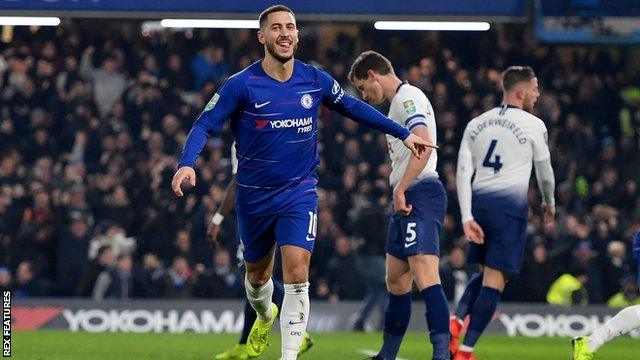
(103, 261)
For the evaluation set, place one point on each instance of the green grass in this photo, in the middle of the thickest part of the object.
(336, 346)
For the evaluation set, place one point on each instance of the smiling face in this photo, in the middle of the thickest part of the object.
(279, 35)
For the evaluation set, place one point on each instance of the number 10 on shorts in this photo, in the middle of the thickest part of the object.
(410, 239)
(313, 226)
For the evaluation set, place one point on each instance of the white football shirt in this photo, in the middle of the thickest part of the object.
(502, 144)
(410, 108)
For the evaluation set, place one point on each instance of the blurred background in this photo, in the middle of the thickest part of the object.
(94, 113)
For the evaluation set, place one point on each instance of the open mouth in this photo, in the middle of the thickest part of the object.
(284, 45)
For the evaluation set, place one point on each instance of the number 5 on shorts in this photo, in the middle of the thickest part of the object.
(411, 235)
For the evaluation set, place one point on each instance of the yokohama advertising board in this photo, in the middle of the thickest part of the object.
(215, 316)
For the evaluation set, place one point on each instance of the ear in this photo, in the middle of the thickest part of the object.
(371, 75)
(520, 93)
(261, 38)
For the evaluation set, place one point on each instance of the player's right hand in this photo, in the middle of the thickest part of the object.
(400, 203)
(418, 145)
(473, 232)
(212, 234)
(184, 173)
(549, 213)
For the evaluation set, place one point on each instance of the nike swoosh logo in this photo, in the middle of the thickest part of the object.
(409, 244)
(310, 238)
(295, 322)
(258, 106)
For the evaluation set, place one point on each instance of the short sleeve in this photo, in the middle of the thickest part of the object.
(415, 109)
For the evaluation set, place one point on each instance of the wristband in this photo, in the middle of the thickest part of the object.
(217, 218)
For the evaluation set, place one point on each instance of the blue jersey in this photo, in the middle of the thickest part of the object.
(275, 127)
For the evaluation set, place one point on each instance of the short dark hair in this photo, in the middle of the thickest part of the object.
(369, 60)
(515, 75)
(262, 19)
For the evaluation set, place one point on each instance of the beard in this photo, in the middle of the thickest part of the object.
(271, 48)
(527, 107)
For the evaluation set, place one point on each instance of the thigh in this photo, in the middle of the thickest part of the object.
(398, 276)
(505, 240)
(256, 235)
(395, 238)
(298, 225)
(423, 225)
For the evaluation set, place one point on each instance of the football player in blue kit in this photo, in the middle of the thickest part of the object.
(273, 106)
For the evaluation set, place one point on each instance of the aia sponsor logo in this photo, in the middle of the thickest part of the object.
(31, 318)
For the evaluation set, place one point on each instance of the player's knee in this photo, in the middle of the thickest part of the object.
(296, 274)
(427, 279)
(398, 285)
(495, 279)
(258, 278)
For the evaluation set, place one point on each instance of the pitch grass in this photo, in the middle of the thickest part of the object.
(335, 346)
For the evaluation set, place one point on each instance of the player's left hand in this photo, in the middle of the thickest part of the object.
(473, 231)
(418, 145)
(400, 203)
(549, 213)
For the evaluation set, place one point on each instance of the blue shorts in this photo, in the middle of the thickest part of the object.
(505, 238)
(419, 232)
(296, 225)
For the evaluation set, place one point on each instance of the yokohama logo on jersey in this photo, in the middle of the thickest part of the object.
(303, 124)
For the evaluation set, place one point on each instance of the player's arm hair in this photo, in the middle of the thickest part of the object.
(415, 165)
(229, 197)
(546, 181)
(464, 173)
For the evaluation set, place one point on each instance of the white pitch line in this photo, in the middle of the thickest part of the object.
(368, 352)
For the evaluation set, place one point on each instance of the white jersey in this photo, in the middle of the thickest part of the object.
(500, 145)
(410, 108)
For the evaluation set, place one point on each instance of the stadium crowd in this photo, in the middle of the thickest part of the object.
(93, 118)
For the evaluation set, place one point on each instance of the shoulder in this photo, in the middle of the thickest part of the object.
(240, 78)
(409, 93)
(313, 72)
(531, 121)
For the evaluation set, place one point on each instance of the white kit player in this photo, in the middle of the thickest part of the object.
(500, 147)
(420, 203)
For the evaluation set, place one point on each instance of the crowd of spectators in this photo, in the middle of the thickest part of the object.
(93, 117)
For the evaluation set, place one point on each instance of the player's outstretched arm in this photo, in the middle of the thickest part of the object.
(335, 98)
(222, 104)
(183, 173)
(418, 145)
